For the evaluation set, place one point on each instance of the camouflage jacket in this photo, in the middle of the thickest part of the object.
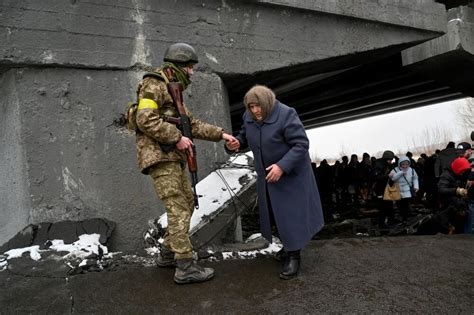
(154, 131)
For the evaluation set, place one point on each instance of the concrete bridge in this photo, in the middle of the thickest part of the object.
(67, 69)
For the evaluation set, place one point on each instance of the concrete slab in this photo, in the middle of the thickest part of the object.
(460, 36)
(448, 59)
(231, 36)
(416, 14)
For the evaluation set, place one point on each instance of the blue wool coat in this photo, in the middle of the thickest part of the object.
(295, 200)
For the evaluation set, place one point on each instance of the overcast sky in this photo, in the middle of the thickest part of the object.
(396, 131)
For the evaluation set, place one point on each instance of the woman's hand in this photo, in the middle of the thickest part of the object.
(274, 173)
(231, 142)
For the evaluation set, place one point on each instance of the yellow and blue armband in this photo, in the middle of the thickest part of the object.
(146, 103)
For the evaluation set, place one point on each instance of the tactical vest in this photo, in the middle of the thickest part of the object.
(165, 110)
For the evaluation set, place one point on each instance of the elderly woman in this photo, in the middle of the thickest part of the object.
(288, 197)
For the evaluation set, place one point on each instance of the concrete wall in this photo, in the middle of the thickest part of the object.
(75, 164)
(14, 180)
(68, 68)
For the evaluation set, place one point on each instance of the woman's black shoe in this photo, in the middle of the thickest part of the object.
(280, 255)
(291, 265)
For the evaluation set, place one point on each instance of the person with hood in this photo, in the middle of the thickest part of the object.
(161, 152)
(454, 195)
(407, 179)
(288, 196)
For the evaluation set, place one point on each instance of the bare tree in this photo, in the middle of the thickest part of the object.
(343, 151)
(432, 138)
(401, 152)
(465, 116)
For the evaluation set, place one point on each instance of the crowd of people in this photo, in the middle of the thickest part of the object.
(439, 182)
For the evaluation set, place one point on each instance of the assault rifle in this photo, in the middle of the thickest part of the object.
(176, 91)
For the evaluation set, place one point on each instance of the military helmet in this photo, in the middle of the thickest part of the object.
(388, 155)
(181, 53)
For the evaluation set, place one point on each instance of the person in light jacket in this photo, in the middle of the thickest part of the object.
(288, 196)
(407, 179)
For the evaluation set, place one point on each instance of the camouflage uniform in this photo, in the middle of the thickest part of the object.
(168, 168)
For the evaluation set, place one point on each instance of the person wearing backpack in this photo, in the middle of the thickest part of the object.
(407, 179)
(162, 150)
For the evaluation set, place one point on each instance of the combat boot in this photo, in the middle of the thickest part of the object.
(188, 271)
(165, 258)
(291, 265)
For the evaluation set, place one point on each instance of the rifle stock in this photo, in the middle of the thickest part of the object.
(176, 91)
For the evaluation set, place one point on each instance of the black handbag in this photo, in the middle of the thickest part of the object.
(412, 189)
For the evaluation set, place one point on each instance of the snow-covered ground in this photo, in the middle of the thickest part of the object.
(78, 254)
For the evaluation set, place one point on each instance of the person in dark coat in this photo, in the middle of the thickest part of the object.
(454, 196)
(382, 168)
(288, 195)
(364, 170)
(324, 179)
(445, 158)
(431, 182)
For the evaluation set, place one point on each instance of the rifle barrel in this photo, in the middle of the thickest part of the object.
(194, 181)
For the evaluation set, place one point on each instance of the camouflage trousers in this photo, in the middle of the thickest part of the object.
(173, 187)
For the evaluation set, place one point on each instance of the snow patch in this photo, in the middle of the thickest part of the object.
(18, 252)
(87, 245)
(214, 192)
(211, 58)
(456, 20)
(274, 247)
(3, 265)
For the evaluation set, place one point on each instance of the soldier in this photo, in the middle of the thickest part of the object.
(161, 152)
